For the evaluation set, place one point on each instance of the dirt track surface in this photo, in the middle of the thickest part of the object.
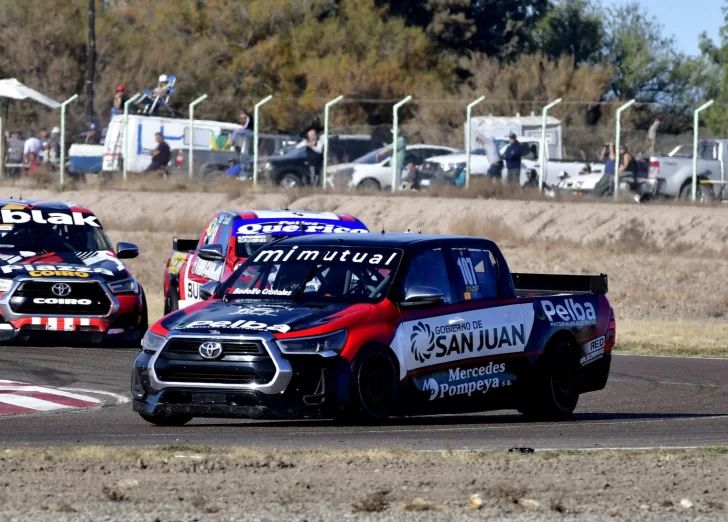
(185, 484)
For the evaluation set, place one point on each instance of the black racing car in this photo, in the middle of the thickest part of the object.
(61, 280)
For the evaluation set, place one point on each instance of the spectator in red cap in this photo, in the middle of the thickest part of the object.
(120, 98)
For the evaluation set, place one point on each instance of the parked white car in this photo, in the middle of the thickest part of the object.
(371, 173)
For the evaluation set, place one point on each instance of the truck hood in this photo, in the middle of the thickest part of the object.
(82, 265)
(251, 316)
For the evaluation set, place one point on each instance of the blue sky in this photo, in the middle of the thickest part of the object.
(685, 19)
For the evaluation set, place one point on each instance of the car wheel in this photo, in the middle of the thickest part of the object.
(290, 181)
(171, 300)
(374, 385)
(369, 184)
(555, 391)
(703, 193)
(166, 420)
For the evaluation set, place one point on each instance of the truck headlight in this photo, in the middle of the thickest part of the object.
(151, 342)
(125, 286)
(333, 342)
(5, 284)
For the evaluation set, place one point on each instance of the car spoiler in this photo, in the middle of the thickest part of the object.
(184, 245)
(534, 284)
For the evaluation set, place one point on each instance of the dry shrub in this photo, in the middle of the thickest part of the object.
(373, 503)
(495, 230)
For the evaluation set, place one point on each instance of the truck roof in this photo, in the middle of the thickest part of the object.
(41, 204)
(394, 239)
(274, 215)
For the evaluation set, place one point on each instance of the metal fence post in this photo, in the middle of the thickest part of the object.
(395, 135)
(543, 154)
(326, 136)
(127, 103)
(617, 144)
(469, 139)
(256, 123)
(192, 134)
(62, 165)
(696, 121)
(2, 142)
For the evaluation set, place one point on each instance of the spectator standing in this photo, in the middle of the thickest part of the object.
(627, 163)
(54, 146)
(401, 146)
(160, 155)
(120, 98)
(93, 136)
(495, 169)
(411, 176)
(14, 155)
(314, 154)
(512, 156)
(234, 168)
(32, 146)
(609, 158)
(44, 139)
(246, 126)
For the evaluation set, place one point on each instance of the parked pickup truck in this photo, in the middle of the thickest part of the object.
(443, 170)
(214, 162)
(366, 326)
(230, 238)
(676, 169)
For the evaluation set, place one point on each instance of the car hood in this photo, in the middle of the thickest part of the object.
(98, 265)
(251, 316)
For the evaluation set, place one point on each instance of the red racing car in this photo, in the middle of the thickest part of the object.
(230, 238)
(61, 280)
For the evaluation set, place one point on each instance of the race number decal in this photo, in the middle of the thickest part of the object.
(193, 291)
(465, 264)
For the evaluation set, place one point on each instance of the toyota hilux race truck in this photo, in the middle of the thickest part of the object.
(230, 238)
(371, 325)
(61, 280)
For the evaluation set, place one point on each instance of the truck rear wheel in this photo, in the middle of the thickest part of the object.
(703, 193)
(555, 390)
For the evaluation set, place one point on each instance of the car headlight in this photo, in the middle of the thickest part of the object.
(151, 342)
(333, 342)
(5, 284)
(125, 286)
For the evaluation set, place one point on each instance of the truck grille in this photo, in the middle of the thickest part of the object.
(37, 298)
(190, 347)
(225, 375)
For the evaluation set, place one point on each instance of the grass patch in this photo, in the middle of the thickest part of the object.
(685, 338)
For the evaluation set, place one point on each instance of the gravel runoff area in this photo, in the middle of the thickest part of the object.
(178, 483)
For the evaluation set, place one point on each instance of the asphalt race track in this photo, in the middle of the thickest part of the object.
(648, 402)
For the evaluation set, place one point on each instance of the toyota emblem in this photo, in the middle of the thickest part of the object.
(61, 289)
(210, 350)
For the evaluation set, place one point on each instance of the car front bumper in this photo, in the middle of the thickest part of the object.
(267, 386)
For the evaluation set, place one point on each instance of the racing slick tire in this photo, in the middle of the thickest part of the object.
(554, 393)
(374, 380)
(171, 300)
(166, 420)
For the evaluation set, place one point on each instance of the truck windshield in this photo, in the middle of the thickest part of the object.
(315, 273)
(62, 234)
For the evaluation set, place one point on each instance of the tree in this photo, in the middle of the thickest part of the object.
(713, 81)
(573, 28)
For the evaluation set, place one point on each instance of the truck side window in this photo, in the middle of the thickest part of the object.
(428, 268)
(479, 272)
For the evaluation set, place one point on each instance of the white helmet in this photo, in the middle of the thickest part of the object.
(163, 79)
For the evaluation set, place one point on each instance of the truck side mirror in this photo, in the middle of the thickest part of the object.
(422, 296)
(211, 253)
(126, 250)
(209, 289)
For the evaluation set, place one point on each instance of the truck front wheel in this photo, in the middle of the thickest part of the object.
(373, 385)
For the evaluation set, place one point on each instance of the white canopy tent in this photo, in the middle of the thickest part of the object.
(14, 90)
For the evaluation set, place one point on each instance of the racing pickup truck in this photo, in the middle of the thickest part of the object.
(364, 326)
(61, 280)
(230, 238)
